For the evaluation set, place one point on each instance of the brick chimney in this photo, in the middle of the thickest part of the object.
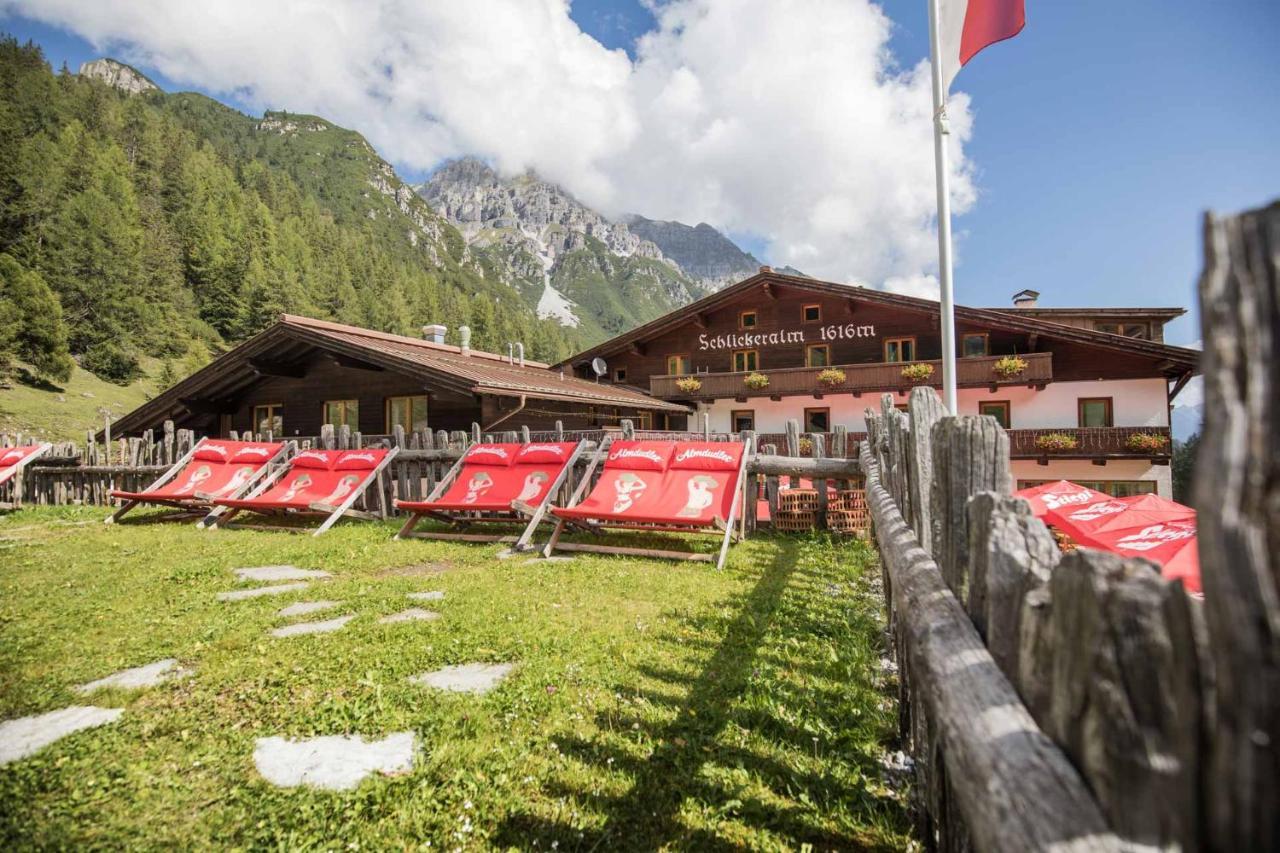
(434, 333)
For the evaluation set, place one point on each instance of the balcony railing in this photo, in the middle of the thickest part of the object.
(971, 372)
(1090, 443)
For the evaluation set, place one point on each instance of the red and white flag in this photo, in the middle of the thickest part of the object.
(967, 26)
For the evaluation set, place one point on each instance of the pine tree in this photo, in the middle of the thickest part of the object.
(31, 327)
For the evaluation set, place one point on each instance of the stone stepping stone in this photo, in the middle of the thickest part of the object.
(433, 595)
(279, 573)
(413, 614)
(28, 735)
(138, 677)
(326, 627)
(505, 554)
(242, 594)
(302, 608)
(336, 762)
(477, 678)
(555, 558)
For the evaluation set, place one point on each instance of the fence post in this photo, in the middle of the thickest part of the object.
(925, 409)
(970, 454)
(793, 438)
(628, 429)
(559, 430)
(1237, 493)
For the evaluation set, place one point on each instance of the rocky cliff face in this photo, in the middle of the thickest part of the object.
(119, 75)
(563, 256)
(701, 251)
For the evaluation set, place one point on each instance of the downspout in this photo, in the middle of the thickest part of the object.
(514, 411)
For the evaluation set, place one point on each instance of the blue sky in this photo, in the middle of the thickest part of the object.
(1102, 133)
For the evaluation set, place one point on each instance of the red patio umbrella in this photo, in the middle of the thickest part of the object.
(1170, 544)
(1050, 497)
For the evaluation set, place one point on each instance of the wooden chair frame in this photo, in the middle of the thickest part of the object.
(15, 476)
(200, 503)
(519, 511)
(725, 525)
(331, 513)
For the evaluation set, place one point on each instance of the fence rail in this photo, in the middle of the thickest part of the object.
(1080, 700)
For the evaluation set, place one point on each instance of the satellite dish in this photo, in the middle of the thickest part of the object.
(599, 367)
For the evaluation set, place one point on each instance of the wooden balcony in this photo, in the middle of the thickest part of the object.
(859, 378)
(1091, 443)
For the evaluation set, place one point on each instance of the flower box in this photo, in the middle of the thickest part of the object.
(689, 384)
(1057, 441)
(1147, 442)
(917, 372)
(831, 377)
(756, 381)
(1009, 366)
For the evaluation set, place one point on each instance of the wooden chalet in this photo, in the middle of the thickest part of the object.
(1098, 376)
(301, 373)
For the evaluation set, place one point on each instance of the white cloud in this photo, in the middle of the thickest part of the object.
(790, 120)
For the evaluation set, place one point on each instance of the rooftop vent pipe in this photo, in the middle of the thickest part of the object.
(520, 352)
(1025, 298)
(464, 339)
(511, 349)
(434, 333)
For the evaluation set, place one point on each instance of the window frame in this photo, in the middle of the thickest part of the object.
(734, 360)
(986, 343)
(1004, 404)
(324, 413)
(899, 341)
(1110, 409)
(619, 374)
(270, 407)
(804, 311)
(753, 313)
(688, 361)
(1121, 330)
(391, 398)
(826, 410)
(809, 348)
(733, 419)
(1107, 487)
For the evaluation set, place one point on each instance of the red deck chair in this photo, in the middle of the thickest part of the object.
(213, 468)
(316, 482)
(495, 483)
(14, 459)
(674, 487)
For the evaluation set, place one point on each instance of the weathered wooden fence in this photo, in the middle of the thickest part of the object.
(1081, 701)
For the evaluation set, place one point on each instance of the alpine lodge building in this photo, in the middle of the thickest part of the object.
(1084, 392)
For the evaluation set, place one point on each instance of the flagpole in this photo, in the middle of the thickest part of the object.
(946, 307)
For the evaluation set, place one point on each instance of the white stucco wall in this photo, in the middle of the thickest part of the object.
(1082, 470)
(1135, 402)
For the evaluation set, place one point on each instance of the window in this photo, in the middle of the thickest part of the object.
(817, 420)
(812, 314)
(748, 320)
(619, 374)
(342, 413)
(998, 409)
(269, 417)
(1129, 330)
(900, 349)
(677, 365)
(974, 344)
(746, 359)
(743, 419)
(902, 407)
(1114, 488)
(1095, 411)
(817, 355)
(408, 412)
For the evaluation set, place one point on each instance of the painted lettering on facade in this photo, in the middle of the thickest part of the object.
(738, 340)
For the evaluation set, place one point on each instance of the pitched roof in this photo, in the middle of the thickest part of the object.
(442, 365)
(1011, 319)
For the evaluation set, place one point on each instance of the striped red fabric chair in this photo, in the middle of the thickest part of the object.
(323, 483)
(495, 483)
(672, 487)
(14, 459)
(213, 468)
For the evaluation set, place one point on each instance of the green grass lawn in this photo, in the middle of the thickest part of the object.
(654, 705)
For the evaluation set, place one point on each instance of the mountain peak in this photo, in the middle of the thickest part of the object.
(114, 73)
